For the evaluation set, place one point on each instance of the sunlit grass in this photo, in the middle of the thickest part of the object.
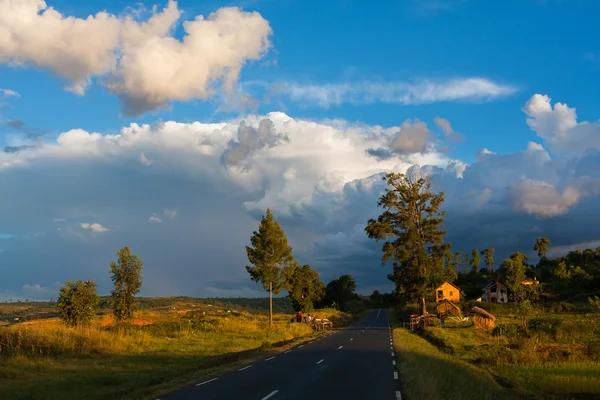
(45, 359)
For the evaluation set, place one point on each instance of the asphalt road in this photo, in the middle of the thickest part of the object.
(356, 363)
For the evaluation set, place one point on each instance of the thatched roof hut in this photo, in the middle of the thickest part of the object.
(483, 319)
(446, 307)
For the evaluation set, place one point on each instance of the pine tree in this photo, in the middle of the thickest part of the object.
(411, 225)
(270, 256)
(127, 278)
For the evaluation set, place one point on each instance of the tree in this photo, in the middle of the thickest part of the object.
(304, 287)
(270, 255)
(514, 275)
(489, 258)
(541, 246)
(411, 225)
(341, 290)
(475, 261)
(127, 278)
(77, 302)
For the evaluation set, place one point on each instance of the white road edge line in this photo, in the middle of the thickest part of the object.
(285, 352)
(340, 347)
(398, 395)
(241, 369)
(204, 383)
(393, 362)
(395, 375)
(301, 346)
(270, 358)
(320, 361)
(351, 338)
(273, 393)
(392, 354)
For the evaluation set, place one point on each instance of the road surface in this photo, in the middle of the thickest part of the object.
(356, 363)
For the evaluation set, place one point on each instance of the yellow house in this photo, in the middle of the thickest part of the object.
(447, 291)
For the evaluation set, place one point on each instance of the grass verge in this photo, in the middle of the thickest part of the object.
(426, 373)
(45, 359)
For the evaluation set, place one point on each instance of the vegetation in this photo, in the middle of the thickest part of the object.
(162, 349)
(411, 226)
(341, 291)
(126, 275)
(305, 287)
(77, 303)
(533, 350)
(269, 255)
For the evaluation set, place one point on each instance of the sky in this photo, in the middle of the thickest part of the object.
(172, 126)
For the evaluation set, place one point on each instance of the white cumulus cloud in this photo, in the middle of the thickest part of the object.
(320, 181)
(141, 62)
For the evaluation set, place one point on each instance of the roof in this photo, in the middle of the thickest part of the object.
(457, 288)
(492, 284)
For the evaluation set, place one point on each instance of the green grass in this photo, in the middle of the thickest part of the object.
(559, 364)
(426, 373)
(45, 359)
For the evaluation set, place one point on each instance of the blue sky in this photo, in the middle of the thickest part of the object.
(547, 47)
(481, 68)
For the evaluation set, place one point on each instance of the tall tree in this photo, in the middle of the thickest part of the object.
(304, 287)
(127, 278)
(341, 290)
(541, 246)
(411, 226)
(77, 303)
(514, 274)
(489, 258)
(475, 261)
(270, 255)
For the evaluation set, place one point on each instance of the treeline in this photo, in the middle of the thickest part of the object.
(411, 227)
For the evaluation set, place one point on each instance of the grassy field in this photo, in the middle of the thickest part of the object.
(426, 373)
(557, 358)
(161, 351)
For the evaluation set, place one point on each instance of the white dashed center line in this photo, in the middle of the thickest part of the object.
(340, 347)
(352, 338)
(204, 383)
(273, 393)
(241, 369)
(320, 361)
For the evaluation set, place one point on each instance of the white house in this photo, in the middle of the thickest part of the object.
(494, 292)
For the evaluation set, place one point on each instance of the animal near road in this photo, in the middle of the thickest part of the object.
(357, 362)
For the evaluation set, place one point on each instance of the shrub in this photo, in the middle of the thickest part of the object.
(77, 303)
(595, 303)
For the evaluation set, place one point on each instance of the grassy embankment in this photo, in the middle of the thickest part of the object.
(557, 358)
(159, 352)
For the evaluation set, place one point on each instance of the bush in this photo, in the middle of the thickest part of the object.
(563, 306)
(77, 303)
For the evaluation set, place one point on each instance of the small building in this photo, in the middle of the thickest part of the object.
(530, 281)
(447, 291)
(494, 292)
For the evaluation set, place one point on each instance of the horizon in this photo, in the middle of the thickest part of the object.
(172, 129)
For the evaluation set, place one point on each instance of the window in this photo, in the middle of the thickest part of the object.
(441, 294)
(451, 293)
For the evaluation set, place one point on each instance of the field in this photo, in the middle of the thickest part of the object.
(166, 346)
(546, 355)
